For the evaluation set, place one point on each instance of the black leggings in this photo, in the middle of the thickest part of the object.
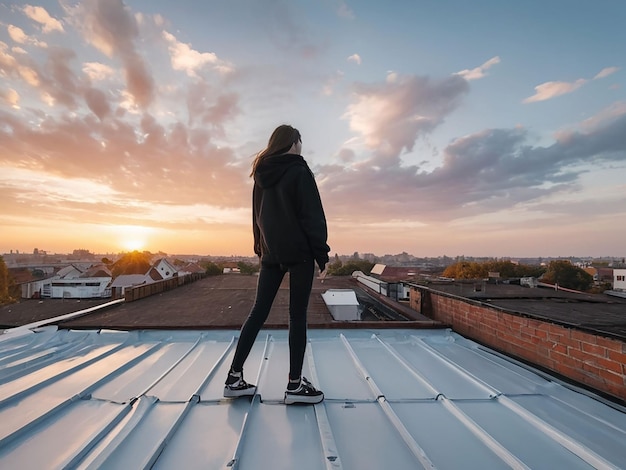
(270, 278)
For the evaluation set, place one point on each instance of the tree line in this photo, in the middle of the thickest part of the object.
(560, 272)
(8, 290)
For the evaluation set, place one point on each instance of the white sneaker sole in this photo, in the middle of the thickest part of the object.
(246, 392)
(303, 399)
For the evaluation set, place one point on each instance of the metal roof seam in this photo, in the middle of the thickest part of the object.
(329, 445)
(575, 447)
(407, 366)
(547, 376)
(135, 413)
(491, 442)
(73, 460)
(492, 392)
(406, 436)
(578, 449)
(216, 365)
(234, 462)
(53, 378)
(171, 368)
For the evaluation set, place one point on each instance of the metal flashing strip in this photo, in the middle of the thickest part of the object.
(31, 326)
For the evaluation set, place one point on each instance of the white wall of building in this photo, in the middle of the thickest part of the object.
(79, 288)
(619, 279)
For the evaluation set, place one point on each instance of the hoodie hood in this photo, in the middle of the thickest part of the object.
(271, 169)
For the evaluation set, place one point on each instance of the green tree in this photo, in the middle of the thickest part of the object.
(507, 269)
(335, 265)
(213, 269)
(466, 270)
(247, 268)
(350, 266)
(4, 282)
(565, 274)
(38, 273)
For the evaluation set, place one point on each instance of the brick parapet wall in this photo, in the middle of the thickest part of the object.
(591, 359)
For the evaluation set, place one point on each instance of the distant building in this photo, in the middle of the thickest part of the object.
(76, 281)
(125, 281)
(190, 268)
(230, 267)
(82, 280)
(619, 280)
(390, 280)
(165, 269)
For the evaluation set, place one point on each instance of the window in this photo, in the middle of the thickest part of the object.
(621, 278)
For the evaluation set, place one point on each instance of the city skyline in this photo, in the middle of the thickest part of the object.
(488, 129)
(403, 257)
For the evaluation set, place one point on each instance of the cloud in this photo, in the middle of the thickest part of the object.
(19, 66)
(97, 71)
(207, 107)
(97, 102)
(185, 58)
(356, 58)
(606, 72)
(147, 161)
(486, 172)
(549, 90)
(41, 16)
(111, 27)
(166, 157)
(599, 120)
(11, 97)
(18, 35)
(391, 115)
(478, 72)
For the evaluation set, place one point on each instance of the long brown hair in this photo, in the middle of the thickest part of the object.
(280, 142)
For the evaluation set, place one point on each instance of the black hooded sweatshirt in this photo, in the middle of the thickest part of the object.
(288, 220)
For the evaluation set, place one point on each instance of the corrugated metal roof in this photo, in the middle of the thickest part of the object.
(400, 399)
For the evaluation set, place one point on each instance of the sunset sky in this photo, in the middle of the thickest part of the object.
(435, 127)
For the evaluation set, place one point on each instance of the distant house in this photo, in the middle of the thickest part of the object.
(124, 281)
(392, 277)
(76, 281)
(600, 275)
(190, 268)
(619, 280)
(161, 270)
(605, 274)
(230, 267)
(164, 268)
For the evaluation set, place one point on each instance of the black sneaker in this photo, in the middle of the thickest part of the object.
(302, 393)
(237, 387)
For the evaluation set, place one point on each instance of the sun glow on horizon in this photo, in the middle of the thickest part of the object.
(132, 237)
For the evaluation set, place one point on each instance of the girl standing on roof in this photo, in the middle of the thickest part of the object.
(290, 235)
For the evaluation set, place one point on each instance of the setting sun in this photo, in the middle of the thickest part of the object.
(132, 237)
(134, 244)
